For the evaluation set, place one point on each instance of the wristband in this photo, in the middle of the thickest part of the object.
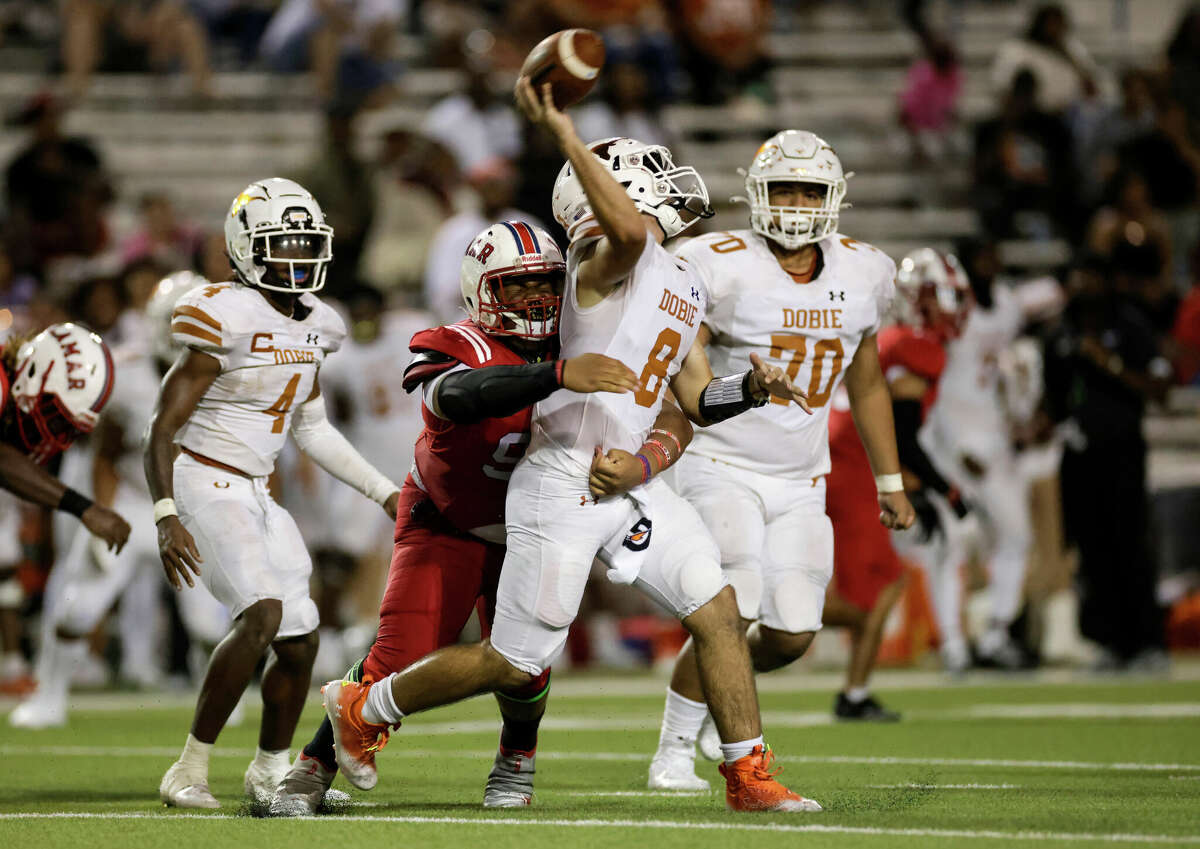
(646, 471)
(672, 437)
(74, 503)
(889, 483)
(661, 446)
(163, 508)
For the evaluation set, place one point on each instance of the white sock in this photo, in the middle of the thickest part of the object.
(737, 751)
(681, 721)
(272, 761)
(858, 694)
(195, 755)
(380, 707)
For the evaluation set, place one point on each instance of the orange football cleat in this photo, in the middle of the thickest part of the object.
(355, 741)
(750, 785)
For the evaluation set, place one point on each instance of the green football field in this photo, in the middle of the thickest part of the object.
(1053, 760)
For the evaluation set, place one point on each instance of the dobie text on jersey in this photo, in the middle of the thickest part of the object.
(826, 319)
(260, 343)
(676, 306)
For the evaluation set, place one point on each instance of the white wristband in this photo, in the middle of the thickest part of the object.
(889, 483)
(163, 508)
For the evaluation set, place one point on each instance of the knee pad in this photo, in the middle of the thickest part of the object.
(748, 587)
(798, 566)
(796, 605)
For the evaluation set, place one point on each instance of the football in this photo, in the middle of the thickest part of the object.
(570, 60)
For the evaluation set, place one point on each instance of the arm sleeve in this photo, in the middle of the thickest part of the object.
(907, 415)
(317, 438)
(466, 396)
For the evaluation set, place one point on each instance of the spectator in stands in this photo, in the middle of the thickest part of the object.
(1128, 216)
(626, 107)
(1183, 66)
(1023, 175)
(494, 185)
(347, 43)
(929, 101)
(416, 179)
(1060, 64)
(210, 260)
(162, 237)
(56, 190)
(132, 36)
(476, 125)
(16, 289)
(240, 23)
(1118, 125)
(1102, 367)
(344, 185)
(725, 51)
(1185, 335)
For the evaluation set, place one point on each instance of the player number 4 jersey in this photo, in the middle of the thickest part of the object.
(269, 364)
(811, 330)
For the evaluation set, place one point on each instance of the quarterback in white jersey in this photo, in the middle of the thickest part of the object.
(247, 378)
(627, 297)
(801, 295)
(87, 579)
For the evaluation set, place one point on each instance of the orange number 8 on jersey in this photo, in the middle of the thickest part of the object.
(666, 346)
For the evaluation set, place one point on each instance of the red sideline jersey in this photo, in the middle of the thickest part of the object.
(864, 561)
(464, 468)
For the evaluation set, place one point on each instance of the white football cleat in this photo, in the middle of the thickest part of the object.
(182, 789)
(304, 789)
(260, 781)
(708, 741)
(37, 712)
(674, 768)
(510, 783)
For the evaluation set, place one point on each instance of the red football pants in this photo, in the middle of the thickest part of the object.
(437, 576)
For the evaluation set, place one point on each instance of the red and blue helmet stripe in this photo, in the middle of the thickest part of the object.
(526, 238)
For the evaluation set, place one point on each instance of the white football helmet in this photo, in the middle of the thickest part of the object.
(276, 222)
(61, 382)
(650, 178)
(512, 249)
(932, 292)
(161, 306)
(795, 156)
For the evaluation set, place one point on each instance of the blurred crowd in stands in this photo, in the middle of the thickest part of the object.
(1103, 160)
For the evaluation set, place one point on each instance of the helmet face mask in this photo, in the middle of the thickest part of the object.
(674, 195)
(505, 254)
(795, 156)
(277, 238)
(62, 380)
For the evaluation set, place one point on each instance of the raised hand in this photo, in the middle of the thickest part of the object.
(539, 108)
(772, 379)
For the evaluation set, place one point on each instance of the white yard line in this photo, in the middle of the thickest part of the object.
(522, 822)
(670, 794)
(398, 752)
(909, 785)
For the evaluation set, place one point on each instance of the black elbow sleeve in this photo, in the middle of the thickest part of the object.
(907, 414)
(471, 395)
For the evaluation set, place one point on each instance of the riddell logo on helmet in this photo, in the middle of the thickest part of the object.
(69, 350)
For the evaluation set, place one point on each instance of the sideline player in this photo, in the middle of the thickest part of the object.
(618, 199)
(478, 380)
(248, 376)
(799, 294)
(86, 580)
(868, 577)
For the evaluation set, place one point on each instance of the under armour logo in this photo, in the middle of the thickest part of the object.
(837, 296)
(695, 294)
(312, 339)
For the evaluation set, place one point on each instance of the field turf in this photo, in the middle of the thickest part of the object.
(1057, 760)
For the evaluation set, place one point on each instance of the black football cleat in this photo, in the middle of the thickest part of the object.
(868, 710)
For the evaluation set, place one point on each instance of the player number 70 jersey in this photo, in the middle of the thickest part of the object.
(812, 330)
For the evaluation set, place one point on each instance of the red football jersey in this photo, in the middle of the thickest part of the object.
(465, 467)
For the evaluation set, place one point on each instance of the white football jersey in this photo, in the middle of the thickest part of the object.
(968, 416)
(130, 407)
(649, 323)
(383, 421)
(811, 330)
(269, 363)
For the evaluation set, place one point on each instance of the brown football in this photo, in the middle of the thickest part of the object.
(570, 60)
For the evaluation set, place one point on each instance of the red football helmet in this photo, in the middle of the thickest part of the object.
(932, 292)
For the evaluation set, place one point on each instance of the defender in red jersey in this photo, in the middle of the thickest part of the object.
(868, 576)
(479, 379)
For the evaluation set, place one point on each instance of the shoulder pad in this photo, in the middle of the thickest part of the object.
(199, 320)
(464, 341)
